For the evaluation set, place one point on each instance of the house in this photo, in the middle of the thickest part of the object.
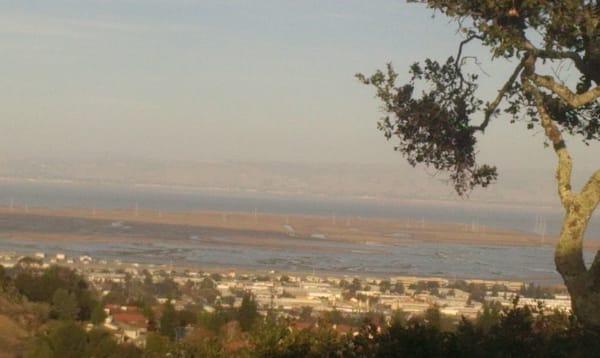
(127, 323)
(135, 319)
(134, 334)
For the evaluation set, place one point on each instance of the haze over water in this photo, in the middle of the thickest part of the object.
(57, 196)
(405, 256)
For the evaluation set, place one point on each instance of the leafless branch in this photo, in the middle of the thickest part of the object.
(457, 61)
(491, 107)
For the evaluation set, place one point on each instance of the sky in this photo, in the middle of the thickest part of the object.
(222, 80)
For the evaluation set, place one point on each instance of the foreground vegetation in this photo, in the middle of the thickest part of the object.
(516, 333)
(62, 315)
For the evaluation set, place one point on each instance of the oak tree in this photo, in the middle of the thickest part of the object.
(439, 126)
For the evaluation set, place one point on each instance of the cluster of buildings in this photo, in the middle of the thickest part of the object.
(285, 293)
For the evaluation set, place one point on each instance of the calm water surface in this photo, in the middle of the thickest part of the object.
(404, 257)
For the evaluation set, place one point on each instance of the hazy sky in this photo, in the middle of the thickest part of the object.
(240, 80)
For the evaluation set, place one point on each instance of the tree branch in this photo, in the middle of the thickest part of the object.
(457, 63)
(561, 55)
(590, 196)
(491, 107)
(462, 44)
(572, 99)
(565, 163)
(528, 47)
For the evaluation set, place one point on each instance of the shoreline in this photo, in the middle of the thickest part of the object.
(287, 243)
(248, 270)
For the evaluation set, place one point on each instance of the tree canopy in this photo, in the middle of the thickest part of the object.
(437, 116)
(438, 126)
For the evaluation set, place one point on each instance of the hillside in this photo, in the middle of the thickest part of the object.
(18, 320)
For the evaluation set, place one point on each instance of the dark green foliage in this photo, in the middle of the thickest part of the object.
(216, 276)
(489, 316)
(186, 317)
(434, 130)
(98, 315)
(262, 278)
(248, 312)
(127, 351)
(151, 317)
(209, 295)
(437, 126)
(208, 283)
(100, 344)
(385, 286)
(228, 300)
(156, 345)
(286, 294)
(207, 348)
(422, 286)
(350, 288)
(4, 279)
(144, 289)
(275, 339)
(415, 340)
(477, 293)
(68, 339)
(64, 340)
(398, 288)
(515, 332)
(333, 317)
(497, 332)
(511, 332)
(459, 285)
(168, 321)
(64, 305)
(117, 295)
(166, 288)
(42, 287)
(534, 291)
(267, 338)
(171, 320)
(433, 317)
(496, 288)
(306, 313)
(564, 26)
(515, 327)
(214, 321)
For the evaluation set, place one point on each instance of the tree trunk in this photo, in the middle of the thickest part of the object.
(583, 284)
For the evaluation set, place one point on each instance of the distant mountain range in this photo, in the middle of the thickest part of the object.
(340, 180)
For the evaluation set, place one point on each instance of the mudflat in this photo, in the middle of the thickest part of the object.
(254, 229)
